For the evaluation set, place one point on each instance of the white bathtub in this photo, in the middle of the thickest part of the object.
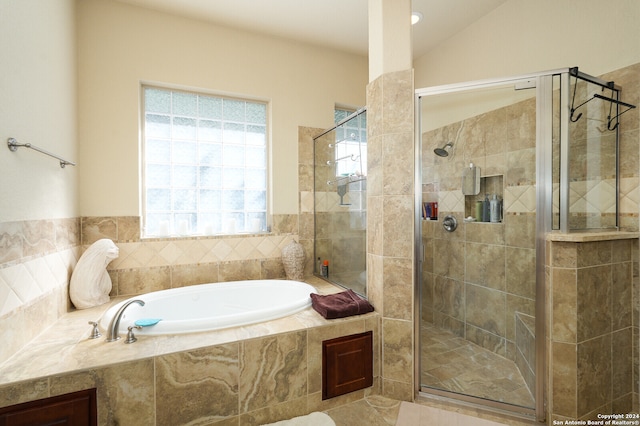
(213, 306)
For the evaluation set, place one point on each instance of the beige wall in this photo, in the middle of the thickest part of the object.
(521, 37)
(120, 45)
(38, 106)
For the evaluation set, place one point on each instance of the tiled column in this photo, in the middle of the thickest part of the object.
(590, 332)
(390, 183)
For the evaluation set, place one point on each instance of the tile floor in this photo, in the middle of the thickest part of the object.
(452, 363)
(376, 410)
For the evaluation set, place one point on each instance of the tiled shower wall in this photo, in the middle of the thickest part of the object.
(480, 278)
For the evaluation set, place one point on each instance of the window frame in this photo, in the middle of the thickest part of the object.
(174, 233)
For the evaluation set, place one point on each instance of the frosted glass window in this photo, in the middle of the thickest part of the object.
(205, 163)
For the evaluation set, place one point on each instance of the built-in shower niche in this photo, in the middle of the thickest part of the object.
(489, 186)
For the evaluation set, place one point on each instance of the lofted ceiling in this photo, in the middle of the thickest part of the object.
(340, 24)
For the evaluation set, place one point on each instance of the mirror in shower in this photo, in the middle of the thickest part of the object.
(340, 190)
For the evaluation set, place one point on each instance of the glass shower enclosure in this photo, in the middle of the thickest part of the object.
(340, 191)
(505, 161)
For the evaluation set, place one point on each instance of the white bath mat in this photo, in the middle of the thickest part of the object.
(419, 415)
(313, 419)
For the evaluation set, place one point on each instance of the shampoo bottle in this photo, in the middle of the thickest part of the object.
(494, 209)
(486, 208)
(325, 269)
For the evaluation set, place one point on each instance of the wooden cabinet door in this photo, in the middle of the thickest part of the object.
(72, 409)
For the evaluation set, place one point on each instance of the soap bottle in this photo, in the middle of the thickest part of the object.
(479, 211)
(486, 206)
(494, 209)
(325, 269)
(319, 266)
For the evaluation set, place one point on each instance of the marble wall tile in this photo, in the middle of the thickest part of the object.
(96, 228)
(197, 386)
(621, 295)
(594, 302)
(564, 364)
(521, 271)
(517, 305)
(398, 240)
(449, 258)
(486, 309)
(485, 265)
(375, 222)
(273, 413)
(272, 370)
(186, 275)
(11, 242)
(397, 152)
(375, 163)
(520, 230)
(124, 391)
(375, 281)
(397, 338)
(622, 365)
(487, 233)
(238, 271)
(594, 253)
(139, 281)
(39, 237)
(564, 309)
(564, 255)
(305, 145)
(128, 228)
(23, 392)
(486, 339)
(398, 288)
(284, 223)
(593, 374)
(375, 105)
(448, 298)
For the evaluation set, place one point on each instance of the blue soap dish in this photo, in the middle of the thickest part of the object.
(147, 322)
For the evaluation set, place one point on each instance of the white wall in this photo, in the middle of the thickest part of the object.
(37, 106)
(121, 45)
(521, 37)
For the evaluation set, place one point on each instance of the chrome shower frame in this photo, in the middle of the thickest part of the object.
(543, 83)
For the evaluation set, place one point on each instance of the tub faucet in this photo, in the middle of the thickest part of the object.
(112, 332)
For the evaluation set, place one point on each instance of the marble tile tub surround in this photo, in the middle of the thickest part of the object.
(37, 259)
(258, 373)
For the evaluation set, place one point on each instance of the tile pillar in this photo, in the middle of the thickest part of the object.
(390, 193)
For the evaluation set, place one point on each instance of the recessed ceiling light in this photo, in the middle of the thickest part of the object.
(416, 17)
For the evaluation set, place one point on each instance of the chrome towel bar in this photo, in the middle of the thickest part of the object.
(13, 145)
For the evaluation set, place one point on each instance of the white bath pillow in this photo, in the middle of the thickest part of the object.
(90, 283)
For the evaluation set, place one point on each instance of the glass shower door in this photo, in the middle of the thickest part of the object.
(340, 191)
(478, 281)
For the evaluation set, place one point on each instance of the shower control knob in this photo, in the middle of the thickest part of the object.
(449, 223)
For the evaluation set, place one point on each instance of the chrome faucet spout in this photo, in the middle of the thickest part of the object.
(112, 335)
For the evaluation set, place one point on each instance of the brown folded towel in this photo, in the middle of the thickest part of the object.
(340, 305)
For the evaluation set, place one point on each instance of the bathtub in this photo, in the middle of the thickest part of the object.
(213, 306)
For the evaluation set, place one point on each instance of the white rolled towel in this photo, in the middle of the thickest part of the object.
(90, 282)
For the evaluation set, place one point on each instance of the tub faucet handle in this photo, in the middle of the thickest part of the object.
(95, 333)
(131, 338)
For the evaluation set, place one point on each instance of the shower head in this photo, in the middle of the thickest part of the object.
(442, 152)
